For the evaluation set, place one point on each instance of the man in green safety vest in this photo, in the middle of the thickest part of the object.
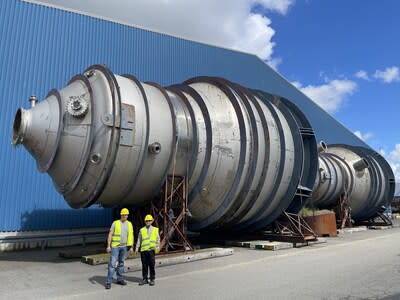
(119, 239)
(149, 244)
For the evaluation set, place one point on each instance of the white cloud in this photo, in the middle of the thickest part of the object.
(364, 136)
(390, 74)
(331, 95)
(231, 25)
(280, 6)
(395, 154)
(393, 158)
(362, 75)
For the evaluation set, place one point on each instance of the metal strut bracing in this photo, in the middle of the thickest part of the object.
(171, 214)
(291, 228)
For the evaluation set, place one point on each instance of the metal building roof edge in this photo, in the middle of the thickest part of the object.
(116, 21)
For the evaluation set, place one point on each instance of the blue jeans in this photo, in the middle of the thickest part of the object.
(118, 255)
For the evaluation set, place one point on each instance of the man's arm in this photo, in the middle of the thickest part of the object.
(109, 238)
(139, 240)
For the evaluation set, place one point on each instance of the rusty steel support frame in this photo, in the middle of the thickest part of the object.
(380, 220)
(343, 212)
(291, 228)
(170, 214)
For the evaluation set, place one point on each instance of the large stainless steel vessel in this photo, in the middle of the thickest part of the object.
(248, 155)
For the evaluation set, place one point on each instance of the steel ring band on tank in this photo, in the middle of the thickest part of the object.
(207, 122)
(114, 140)
(289, 196)
(56, 94)
(331, 168)
(310, 145)
(310, 154)
(134, 181)
(369, 207)
(89, 141)
(330, 192)
(239, 114)
(340, 162)
(366, 203)
(383, 165)
(267, 202)
(254, 150)
(350, 187)
(195, 145)
(174, 133)
(373, 205)
(388, 174)
(264, 173)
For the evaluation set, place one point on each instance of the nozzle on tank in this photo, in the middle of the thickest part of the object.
(322, 147)
(360, 164)
(19, 127)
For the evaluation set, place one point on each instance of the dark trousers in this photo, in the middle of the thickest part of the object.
(148, 262)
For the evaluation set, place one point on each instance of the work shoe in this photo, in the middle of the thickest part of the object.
(144, 281)
(122, 282)
(108, 286)
(152, 282)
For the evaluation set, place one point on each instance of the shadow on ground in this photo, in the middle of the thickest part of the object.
(102, 279)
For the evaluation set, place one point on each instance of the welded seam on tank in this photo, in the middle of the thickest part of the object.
(134, 180)
(174, 134)
(45, 168)
(235, 184)
(252, 201)
(269, 198)
(253, 152)
(290, 194)
(207, 122)
(114, 139)
(195, 142)
(89, 140)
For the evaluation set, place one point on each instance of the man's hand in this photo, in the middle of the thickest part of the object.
(108, 249)
(130, 250)
(136, 252)
(157, 250)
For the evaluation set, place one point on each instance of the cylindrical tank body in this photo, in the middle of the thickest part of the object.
(112, 140)
(359, 174)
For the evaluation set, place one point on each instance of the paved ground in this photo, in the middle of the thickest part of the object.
(361, 265)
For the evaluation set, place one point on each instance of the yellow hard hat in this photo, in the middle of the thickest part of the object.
(148, 218)
(124, 211)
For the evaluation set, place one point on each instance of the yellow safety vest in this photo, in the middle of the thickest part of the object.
(148, 243)
(116, 238)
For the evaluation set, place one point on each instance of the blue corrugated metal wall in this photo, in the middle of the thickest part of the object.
(42, 48)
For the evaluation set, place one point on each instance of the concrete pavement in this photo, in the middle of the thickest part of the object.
(359, 265)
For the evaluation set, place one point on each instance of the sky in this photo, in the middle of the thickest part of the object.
(344, 55)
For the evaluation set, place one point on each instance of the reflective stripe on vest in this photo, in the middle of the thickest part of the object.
(116, 237)
(148, 243)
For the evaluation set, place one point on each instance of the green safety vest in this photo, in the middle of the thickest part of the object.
(148, 243)
(116, 238)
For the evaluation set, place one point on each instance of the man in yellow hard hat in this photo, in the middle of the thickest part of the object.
(149, 244)
(119, 239)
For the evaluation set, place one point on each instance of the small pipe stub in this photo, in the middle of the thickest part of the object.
(360, 164)
(322, 147)
(155, 148)
(33, 100)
